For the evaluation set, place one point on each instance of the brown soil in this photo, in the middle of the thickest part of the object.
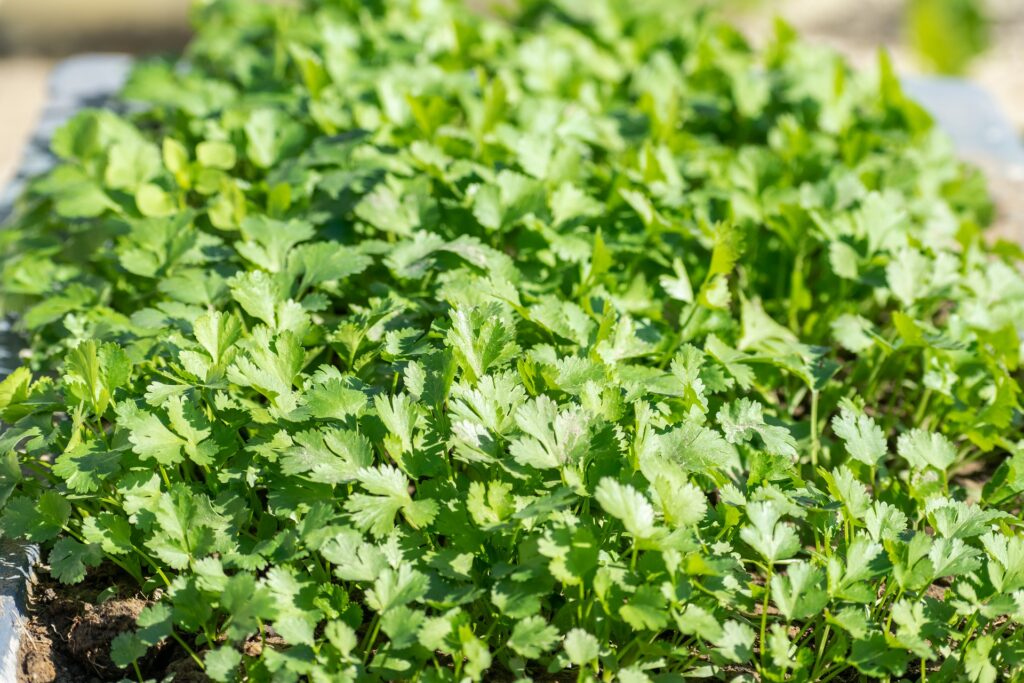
(69, 631)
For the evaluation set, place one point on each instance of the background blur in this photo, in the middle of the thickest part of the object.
(980, 39)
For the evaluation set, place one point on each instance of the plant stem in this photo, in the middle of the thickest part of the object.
(814, 428)
(922, 407)
(821, 649)
(835, 672)
(764, 615)
(190, 651)
(374, 631)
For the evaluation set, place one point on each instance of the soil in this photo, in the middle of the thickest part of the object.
(69, 631)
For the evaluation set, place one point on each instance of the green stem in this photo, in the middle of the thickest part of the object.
(797, 276)
(814, 428)
(922, 407)
(888, 622)
(163, 475)
(972, 624)
(689, 318)
(764, 616)
(154, 565)
(835, 672)
(374, 632)
(821, 649)
(190, 651)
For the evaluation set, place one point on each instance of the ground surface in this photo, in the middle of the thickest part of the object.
(70, 630)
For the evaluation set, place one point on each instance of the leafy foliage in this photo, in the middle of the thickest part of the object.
(589, 342)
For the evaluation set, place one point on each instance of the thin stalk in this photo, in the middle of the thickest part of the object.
(373, 633)
(971, 625)
(764, 615)
(922, 407)
(821, 649)
(190, 651)
(835, 672)
(814, 428)
(151, 563)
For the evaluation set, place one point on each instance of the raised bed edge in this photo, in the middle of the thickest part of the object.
(75, 83)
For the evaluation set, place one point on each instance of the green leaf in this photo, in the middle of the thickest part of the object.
(627, 505)
(394, 588)
(111, 532)
(92, 372)
(645, 610)
(69, 559)
(153, 201)
(977, 662)
(864, 439)
(390, 494)
(922, 449)
(799, 593)
(481, 340)
(581, 647)
(907, 275)
(216, 154)
(873, 657)
(149, 437)
(742, 419)
(127, 648)
(328, 457)
(531, 637)
(332, 400)
(222, 663)
(773, 539)
(35, 520)
(552, 437)
(736, 643)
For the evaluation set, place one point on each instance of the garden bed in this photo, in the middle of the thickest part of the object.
(276, 541)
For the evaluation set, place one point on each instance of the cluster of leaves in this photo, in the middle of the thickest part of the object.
(589, 343)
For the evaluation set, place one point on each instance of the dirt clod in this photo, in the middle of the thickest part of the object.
(69, 632)
(93, 631)
(185, 670)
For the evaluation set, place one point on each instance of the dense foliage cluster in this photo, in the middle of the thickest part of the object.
(588, 343)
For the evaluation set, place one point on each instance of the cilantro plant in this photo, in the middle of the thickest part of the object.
(383, 340)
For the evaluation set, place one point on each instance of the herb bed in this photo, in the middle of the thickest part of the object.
(423, 400)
